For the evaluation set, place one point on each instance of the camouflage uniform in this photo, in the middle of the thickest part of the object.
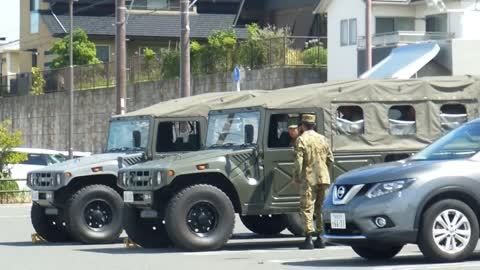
(313, 157)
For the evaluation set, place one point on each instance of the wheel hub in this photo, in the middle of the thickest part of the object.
(451, 231)
(98, 214)
(202, 218)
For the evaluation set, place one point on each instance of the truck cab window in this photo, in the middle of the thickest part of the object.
(282, 128)
(402, 120)
(452, 116)
(178, 136)
(350, 120)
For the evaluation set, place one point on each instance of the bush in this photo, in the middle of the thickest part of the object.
(38, 82)
(315, 56)
(171, 64)
(8, 197)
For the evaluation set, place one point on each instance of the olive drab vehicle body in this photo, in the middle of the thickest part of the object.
(247, 163)
(79, 199)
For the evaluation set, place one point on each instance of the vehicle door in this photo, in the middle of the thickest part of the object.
(278, 158)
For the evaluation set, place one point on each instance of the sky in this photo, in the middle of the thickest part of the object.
(10, 19)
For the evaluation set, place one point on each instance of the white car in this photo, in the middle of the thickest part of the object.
(36, 159)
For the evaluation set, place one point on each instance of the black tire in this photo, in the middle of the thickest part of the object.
(426, 240)
(147, 233)
(50, 228)
(265, 224)
(197, 202)
(295, 224)
(375, 252)
(99, 203)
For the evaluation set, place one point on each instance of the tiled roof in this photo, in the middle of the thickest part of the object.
(145, 25)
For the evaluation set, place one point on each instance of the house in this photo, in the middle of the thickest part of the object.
(151, 23)
(9, 64)
(452, 24)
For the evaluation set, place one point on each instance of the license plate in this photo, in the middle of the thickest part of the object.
(337, 221)
(128, 196)
(35, 196)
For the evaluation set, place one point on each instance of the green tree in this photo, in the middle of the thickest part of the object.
(38, 82)
(220, 50)
(8, 140)
(84, 52)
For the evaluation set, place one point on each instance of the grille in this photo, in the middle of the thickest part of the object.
(132, 160)
(351, 229)
(139, 178)
(44, 179)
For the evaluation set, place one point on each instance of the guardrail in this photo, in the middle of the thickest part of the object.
(13, 195)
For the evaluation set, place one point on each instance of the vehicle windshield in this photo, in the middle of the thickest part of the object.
(233, 129)
(463, 142)
(121, 135)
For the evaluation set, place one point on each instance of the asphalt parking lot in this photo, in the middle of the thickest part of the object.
(244, 251)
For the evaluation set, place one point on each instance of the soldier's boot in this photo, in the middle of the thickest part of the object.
(319, 243)
(308, 243)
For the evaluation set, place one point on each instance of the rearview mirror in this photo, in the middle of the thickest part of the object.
(137, 138)
(249, 134)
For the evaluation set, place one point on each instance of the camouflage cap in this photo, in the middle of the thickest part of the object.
(308, 118)
(292, 123)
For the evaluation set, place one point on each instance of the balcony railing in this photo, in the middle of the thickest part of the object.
(403, 37)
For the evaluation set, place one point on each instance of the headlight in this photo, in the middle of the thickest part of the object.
(159, 177)
(385, 188)
(58, 179)
(29, 179)
(124, 179)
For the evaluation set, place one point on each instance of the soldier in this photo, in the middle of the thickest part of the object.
(313, 157)
(293, 132)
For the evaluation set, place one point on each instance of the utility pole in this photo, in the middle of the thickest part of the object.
(185, 49)
(71, 86)
(121, 61)
(368, 34)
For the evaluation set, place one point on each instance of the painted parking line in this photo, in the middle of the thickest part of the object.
(11, 217)
(257, 251)
(430, 266)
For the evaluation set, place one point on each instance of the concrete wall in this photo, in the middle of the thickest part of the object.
(44, 119)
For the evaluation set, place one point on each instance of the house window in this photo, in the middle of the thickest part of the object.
(348, 32)
(34, 16)
(34, 57)
(452, 116)
(394, 24)
(151, 4)
(437, 23)
(352, 31)
(402, 120)
(344, 33)
(103, 53)
(350, 120)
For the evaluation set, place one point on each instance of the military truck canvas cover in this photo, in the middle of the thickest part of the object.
(194, 106)
(376, 97)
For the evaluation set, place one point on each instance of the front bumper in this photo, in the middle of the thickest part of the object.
(360, 213)
(43, 198)
(138, 198)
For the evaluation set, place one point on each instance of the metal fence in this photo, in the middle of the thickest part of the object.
(288, 51)
(10, 193)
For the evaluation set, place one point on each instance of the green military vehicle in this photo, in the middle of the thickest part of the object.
(190, 199)
(79, 199)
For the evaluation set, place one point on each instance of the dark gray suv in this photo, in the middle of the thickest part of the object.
(431, 199)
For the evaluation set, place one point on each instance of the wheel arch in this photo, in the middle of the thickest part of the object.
(456, 193)
(80, 182)
(211, 178)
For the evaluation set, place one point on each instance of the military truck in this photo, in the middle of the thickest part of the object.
(190, 199)
(79, 199)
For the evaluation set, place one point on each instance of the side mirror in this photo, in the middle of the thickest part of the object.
(249, 134)
(137, 138)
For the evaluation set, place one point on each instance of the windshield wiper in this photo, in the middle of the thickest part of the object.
(221, 145)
